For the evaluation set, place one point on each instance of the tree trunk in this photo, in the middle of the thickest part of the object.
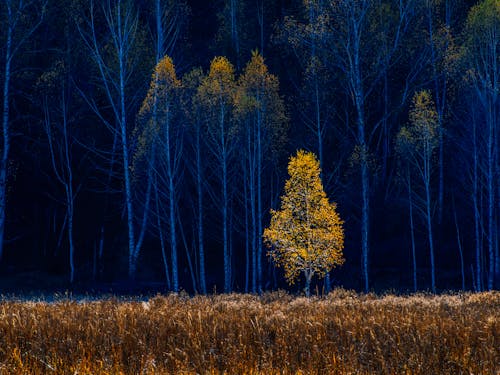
(225, 204)
(459, 244)
(247, 224)
(363, 150)
(365, 220)
(128, 200)
(171, 204)
(491, 203)
(234, 31)
(260, 15)
(308, 275)
(477, 216)
(5, 130)
(412, 232)
(440, 103)
(259, 195)
(69, 191)
(188, 255)
(71, 244)
(227, 261)
(251, 183)
(199, 190)
(173, 237)
(133, 255)
(162, 241)
(429, 232)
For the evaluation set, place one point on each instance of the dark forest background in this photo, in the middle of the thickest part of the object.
(94, 196)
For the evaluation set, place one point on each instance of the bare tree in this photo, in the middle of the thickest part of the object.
(55, 94)
(19, 25)
(339, 33)
(483, 46)
(115, 62)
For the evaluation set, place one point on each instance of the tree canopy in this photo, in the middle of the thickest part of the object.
(306, 234)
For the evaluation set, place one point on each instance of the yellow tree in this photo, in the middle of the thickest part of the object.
(306, 234)
(193, 115)
(417, 143)
(216, 96)
(160, 143)
(261, 113)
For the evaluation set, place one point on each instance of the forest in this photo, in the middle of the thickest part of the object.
(145, 142)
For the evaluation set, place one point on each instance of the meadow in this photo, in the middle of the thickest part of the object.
(276, 333)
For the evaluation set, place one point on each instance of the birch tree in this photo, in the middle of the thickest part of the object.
(230, 18)
(161, 140)
(440, 42)
(350, 50)
(306, 234)
(418, 142)
(482, 49)
(53, 87)
(192, 109)
(19, 20)
(115, 61)
(216, 93)
(261, 112)
(170, 18)
(474, 148)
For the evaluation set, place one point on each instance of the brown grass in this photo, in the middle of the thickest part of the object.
(344, 333)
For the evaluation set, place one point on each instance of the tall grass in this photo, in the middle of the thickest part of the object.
(343, 333)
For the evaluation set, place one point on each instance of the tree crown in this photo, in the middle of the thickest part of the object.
(306, 233)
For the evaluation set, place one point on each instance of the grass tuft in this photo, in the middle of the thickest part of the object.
(343, 333)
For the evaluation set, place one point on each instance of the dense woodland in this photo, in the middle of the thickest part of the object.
(146, 141)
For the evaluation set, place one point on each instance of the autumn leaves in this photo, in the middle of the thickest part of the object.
(238, 122)
(306, 234)
(232, 126)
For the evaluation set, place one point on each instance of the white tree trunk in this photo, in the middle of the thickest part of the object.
(225, 205)
(412, 232)
(5, 128)
(199, 190)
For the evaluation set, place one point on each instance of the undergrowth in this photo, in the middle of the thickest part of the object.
(343, 333)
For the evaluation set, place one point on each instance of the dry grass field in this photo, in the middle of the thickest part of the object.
(343, 333)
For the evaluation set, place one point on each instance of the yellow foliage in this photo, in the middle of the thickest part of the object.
(158, 105)
(216, 97)
(190, 102)
(257, 99)
(422, 135)
(306, 233)
(219, 84)
(164, 82)
(423, 115)
(256, 86)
